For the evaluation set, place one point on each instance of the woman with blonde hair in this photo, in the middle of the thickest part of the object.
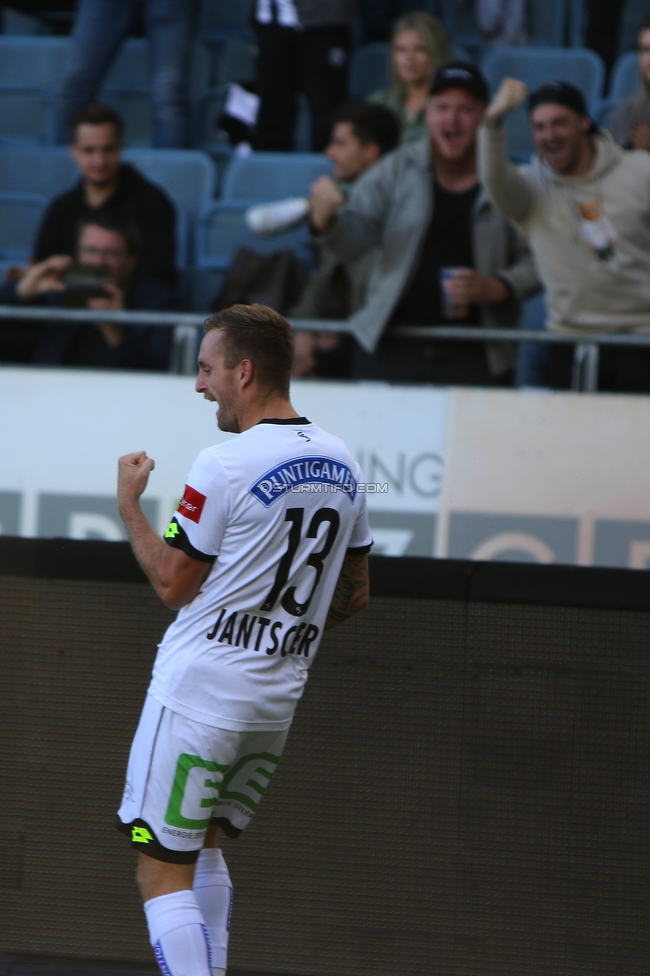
(419, 46)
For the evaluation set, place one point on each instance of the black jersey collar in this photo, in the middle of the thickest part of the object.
(284, 420)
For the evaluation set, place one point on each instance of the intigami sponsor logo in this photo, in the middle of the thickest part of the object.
(191, 504)
(303, 471)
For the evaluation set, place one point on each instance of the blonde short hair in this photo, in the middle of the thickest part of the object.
(434, 37)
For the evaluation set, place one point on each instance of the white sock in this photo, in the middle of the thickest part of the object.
(213, 892)
(178, 935)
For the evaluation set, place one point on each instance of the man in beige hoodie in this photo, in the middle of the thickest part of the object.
(584, 205)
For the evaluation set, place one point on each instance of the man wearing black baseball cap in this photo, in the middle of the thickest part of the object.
(445, 253)
(584, 205)
(461, 74)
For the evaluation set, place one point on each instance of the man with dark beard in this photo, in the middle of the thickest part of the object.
(445, 252)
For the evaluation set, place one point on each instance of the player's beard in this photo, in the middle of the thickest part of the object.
(227, 420)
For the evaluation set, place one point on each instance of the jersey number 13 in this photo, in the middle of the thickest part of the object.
(316, 559)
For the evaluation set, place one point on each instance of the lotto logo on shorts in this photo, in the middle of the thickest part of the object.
(191, 504)
(140, 835)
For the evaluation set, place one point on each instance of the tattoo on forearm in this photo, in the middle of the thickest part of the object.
(351, 593)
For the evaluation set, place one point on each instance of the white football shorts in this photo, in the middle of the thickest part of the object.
(183, 775)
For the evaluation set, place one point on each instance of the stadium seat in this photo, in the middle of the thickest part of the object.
(624, 81)
(223, 17)
(272, 176)
(47, 171)
(536, 66)
(189, 179)
(20, 216)
(221, 230)
(545, 19)
(127, 88)
(31, 60)
(31, 68)
(187, 176)
(625, 76)
(369, 70)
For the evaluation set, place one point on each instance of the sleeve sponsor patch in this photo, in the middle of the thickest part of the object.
(191, 504)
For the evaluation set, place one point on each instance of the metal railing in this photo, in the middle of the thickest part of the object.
(188, 328)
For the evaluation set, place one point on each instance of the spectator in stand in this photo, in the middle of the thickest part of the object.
(109, 186)
(424, 209)
(99, 29)
(630, 122)
(101, 240)
(584, 206)
(502, 21)
(304, 46)
(361, 135)
(419, 46)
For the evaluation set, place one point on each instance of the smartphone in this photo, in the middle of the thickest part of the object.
(84, 281)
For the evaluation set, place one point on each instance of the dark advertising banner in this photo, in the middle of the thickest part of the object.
(465, 789)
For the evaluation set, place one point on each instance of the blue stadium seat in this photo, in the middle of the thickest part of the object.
(536, 66)
(47, 171)
(127, 87)
(224, 16)
(625, 76)
(546, 20)
(187, 176)
(369, 70)
(33, 61)
(272, 176)
(221, 231)
(31, 68)
(624, 81)
(189, 179)
(235, 61)
(20, 216)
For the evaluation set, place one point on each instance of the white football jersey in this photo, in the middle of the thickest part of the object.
(274, 511)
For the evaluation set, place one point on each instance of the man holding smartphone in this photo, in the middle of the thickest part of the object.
(105, 276)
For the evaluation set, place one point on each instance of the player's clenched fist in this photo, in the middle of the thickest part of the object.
(510, 95)
(133, 472)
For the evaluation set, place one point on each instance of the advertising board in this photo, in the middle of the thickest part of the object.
(461, 473)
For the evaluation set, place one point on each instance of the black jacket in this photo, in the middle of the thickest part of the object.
(137, 199)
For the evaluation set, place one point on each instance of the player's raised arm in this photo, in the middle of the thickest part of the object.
(175, 577)
(352, 589)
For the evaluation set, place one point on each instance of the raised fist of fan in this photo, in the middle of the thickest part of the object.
(510, 96)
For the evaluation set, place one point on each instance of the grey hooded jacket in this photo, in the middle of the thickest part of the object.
(585, 292)
(389, 208)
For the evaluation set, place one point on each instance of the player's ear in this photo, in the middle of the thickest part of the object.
(246, 372)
